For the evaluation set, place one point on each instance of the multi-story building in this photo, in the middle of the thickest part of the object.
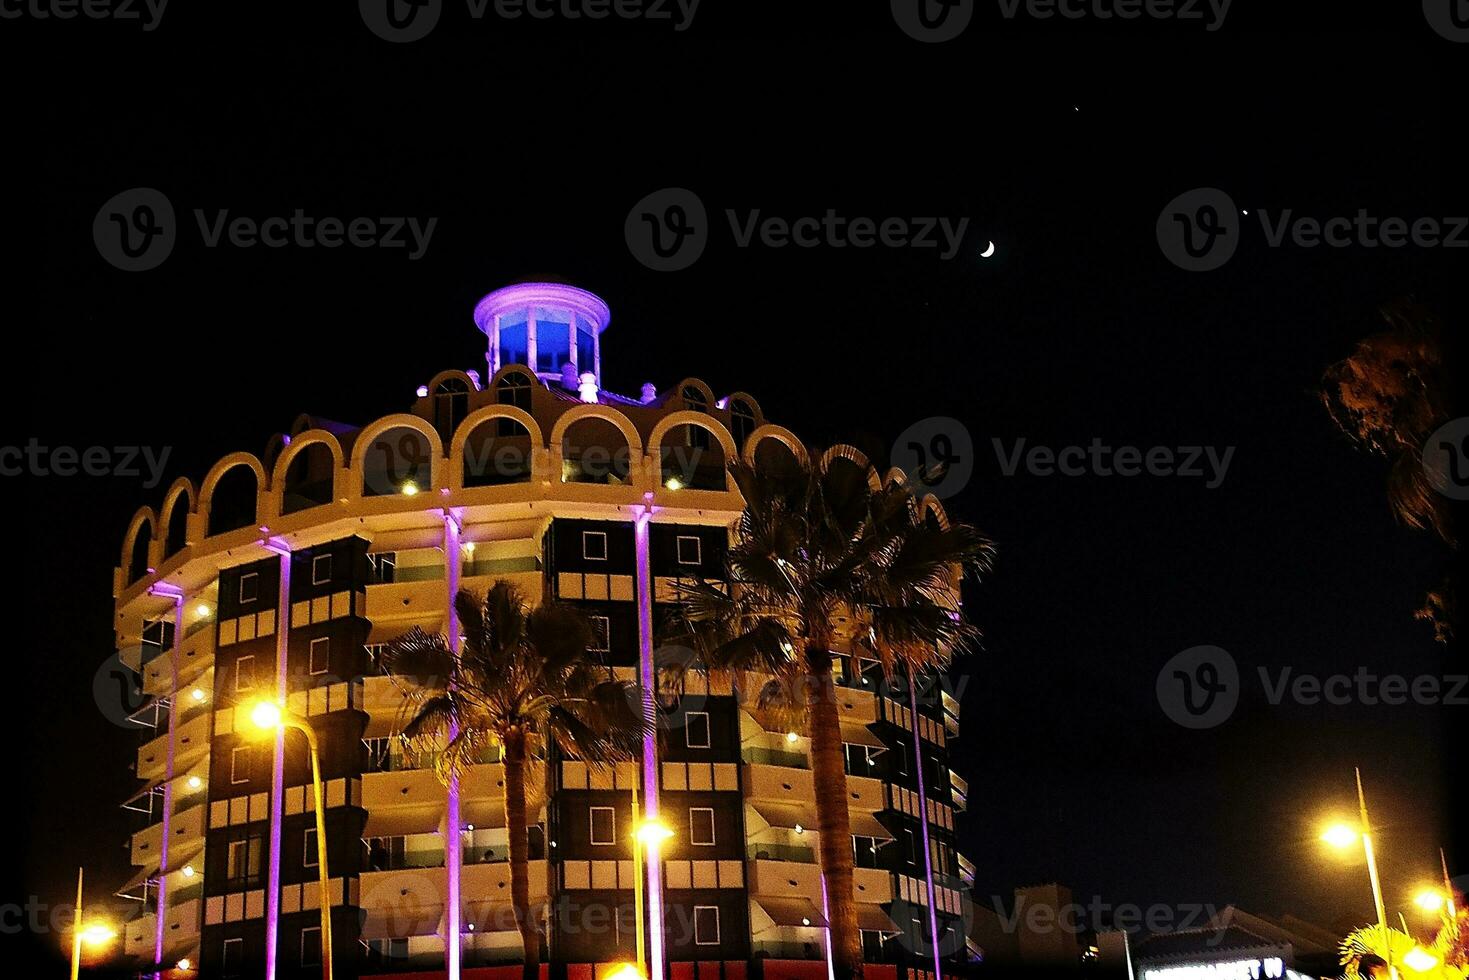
(283, 576)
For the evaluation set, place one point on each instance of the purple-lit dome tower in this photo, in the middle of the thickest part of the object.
(552, 328)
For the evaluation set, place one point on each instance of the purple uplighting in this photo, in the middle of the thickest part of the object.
(277, 766)
(650, 740)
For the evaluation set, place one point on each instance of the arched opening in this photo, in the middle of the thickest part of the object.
(138, 560)
(497, 451)
(593, 450)
(176, 525)
(775, 459)
(308, 479)
(846, 488)
(399, 460)
(741, 421)
(695, 400)
(232, 505)
(690, 456)
(513, 389)
(451, 405)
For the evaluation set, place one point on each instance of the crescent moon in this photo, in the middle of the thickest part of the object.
(988, 251)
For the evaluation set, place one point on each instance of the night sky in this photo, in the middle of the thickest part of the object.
(1061, 143)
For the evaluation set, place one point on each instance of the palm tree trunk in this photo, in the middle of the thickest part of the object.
(829, 773)
(515, 822)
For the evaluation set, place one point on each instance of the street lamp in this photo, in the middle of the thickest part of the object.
(96, 934)
(1430, 900)
(647, 834)
(1343, 836)
(268, 716)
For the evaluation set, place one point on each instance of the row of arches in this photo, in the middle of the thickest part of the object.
(404, 454)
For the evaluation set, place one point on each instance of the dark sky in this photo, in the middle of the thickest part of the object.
(530, 142)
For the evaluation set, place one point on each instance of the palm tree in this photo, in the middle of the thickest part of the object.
(825, 557)
(523, 680)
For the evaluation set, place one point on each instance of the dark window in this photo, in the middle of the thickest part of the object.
(594, 545)
(240, 764)
(321, 569)
(696, 729)
(689, 550)
(232, 962)
(319, 655)
(249, 587)
(706, 925)
(604, 825)
(311, 946)
(309, 856)
(601, 633)
(245, 674)
(701, 825)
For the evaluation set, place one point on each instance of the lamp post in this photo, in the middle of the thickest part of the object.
(94, 935)
(1343, 836)
(268, 717)
(648, 834)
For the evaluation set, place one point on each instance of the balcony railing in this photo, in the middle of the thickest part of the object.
(775, 757)
(787, 951)
(780, 852)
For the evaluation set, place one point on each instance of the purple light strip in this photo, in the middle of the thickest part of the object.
(933, 919)
(277, 766)
(650, 740)
(453, 851)
(160, 911)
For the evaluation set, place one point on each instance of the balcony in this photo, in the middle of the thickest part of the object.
(961, 791)
(413, 594)
(780, 852)
(193, 741)
(196, 656)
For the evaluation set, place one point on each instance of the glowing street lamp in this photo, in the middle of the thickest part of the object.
(625, 971)
(1430, 900)
(1343, 836)
(94, 935)
(268, 716)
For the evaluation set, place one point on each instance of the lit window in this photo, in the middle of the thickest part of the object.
(706, 925)
(245, 674)
(601, 633)
(319, 655)
(701, 825)
(309, 855)
(249, 587)
(321, 569)
(604, 825)
(690, 551)
(594, 545)
(240, 764)
(696, 729)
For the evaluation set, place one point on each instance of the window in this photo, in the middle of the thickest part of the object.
(249, 587)
(309, 856)
(601, 633)
(240, 764)
(604, 825)
(232, 962)
(245, 673)
(689, 550)
(243, 859)
(910, 844)
(701, 825)
(321, 569)
(594, 545)
(696, 729)
(319, 656)
(553, 339)
(742, 421)
(706, 925)
(311, 946)
(381, 567)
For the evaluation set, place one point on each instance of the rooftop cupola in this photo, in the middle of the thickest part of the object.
(551, 327)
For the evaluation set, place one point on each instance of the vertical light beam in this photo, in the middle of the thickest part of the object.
(933, 919)
(453, 840)
(650, 740)
(278, 763)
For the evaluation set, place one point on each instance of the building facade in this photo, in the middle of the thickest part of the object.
(283, 576)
